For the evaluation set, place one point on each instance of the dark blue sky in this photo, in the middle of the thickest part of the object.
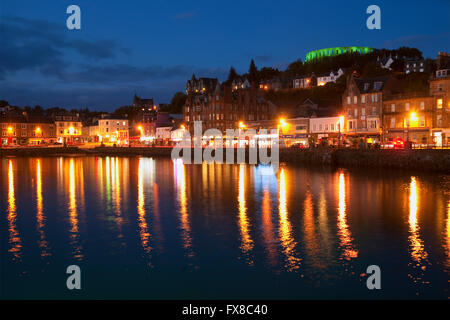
(153, 47)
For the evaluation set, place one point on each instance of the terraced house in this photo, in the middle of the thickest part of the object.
(224, 106)
(362, 104)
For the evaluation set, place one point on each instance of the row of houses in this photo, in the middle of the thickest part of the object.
(373, 110)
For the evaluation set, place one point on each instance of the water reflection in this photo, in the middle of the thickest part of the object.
(311, 240)
(73, 213)
(143, 227)
(14, 237)
(345, 236)
(244, 224)
(417, 249)
(40, 216)
(180, 177)
(285, 231)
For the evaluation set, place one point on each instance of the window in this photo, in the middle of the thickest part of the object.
(422, 121)
(393, 107)
(350, 124)
(355, 99)
(392, 122)
(373, 124)
(363, 111)
(366, 86)
(332, 126)
(377, 85)
(24, 126)
(326, 127)
(422, 105)
(356, 112)
(439, 120)
(363, 99)
(439, 104)
(320, 127)
(348, 100)
(407, 106)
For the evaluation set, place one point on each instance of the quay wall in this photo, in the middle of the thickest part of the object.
(426, 160)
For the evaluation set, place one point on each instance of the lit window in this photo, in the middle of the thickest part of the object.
(439, 103)
(392, 107)
(392, 122)
(355, 99)
(407, 106)
(422, 105)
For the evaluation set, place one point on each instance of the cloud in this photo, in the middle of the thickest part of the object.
(420, 40)
(124, 73)
(35, 44)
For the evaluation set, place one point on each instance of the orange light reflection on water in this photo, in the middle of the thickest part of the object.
(40, 217)
(244, 224)
(14, 236)
(180, 177)
(285, 232)
(345, 236)
(144, 233)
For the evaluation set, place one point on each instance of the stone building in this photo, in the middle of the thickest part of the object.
(362, 103)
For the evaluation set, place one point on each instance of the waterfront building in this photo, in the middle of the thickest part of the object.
(68, 128)
(22, 130)
(330, 129)
(409, 118)
(110, 130)
(225, 107)
(362, 103)
(163, 135)
(440, 90)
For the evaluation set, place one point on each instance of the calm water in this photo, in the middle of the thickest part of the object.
(146, 228)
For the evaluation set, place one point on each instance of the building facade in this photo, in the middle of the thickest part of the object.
(440, 90)
(408, 118)
(25, 131)
(68, 128)
(362, 104)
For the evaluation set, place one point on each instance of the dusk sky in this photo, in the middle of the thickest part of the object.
(152, 47)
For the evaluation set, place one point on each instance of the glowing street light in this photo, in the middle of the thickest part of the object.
(141, 130)
(283, 123)
(242, 125)
(10, 129)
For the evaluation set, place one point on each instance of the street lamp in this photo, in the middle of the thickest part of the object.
(412, 117)
(341, 126)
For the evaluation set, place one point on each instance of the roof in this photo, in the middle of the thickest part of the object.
(368, 85)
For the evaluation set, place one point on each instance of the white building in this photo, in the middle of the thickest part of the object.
(331, 77)
(326, 126)
(163, 133)
(303, 83)
(110, 131)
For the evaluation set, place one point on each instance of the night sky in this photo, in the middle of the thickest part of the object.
(152, 47)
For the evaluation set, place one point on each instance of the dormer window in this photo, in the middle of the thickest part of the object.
(377, 85)
(366, 86)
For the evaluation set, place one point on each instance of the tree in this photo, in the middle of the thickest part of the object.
(177, 102)
(232, 74)
(253, 72)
